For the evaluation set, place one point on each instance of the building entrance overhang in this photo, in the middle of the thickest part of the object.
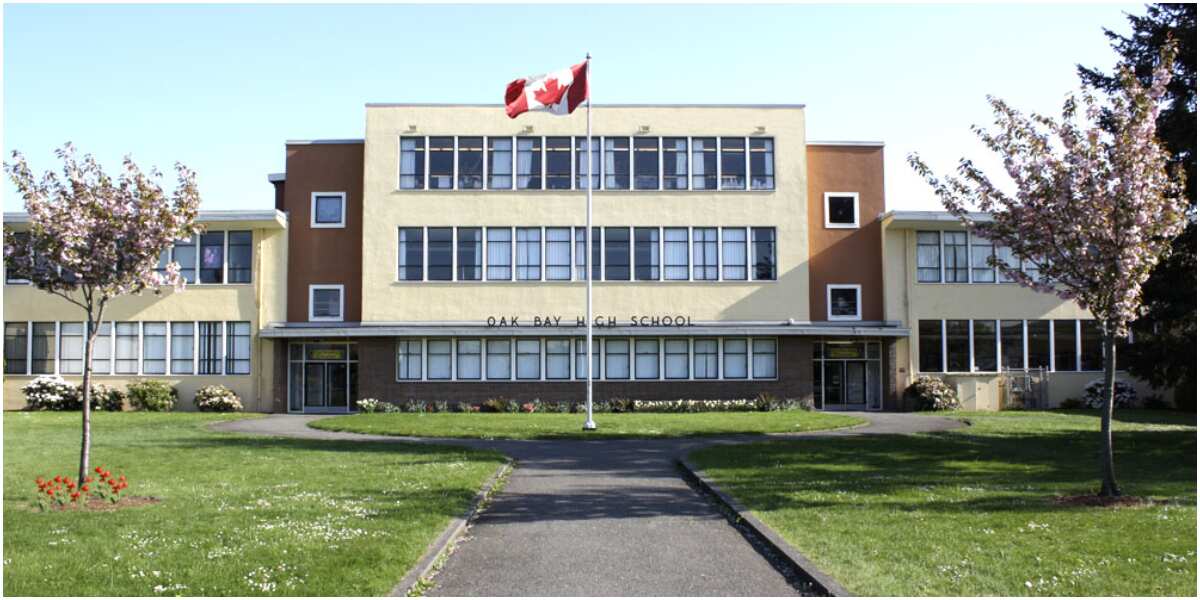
(873, 329)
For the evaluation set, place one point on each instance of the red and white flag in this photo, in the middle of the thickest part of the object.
(558, 92)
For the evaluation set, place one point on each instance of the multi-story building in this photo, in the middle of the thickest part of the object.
(442, 257)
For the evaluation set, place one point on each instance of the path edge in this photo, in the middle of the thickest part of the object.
(440, 547)
(821, 581)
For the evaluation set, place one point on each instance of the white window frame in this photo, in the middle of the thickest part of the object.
(828, 224)
(341, 289)
(312, 212)
(829, 301)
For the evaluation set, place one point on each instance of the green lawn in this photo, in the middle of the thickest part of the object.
(239, 515)
(520, 426)
(968, 512)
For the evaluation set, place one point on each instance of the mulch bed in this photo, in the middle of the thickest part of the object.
(102, 505)
(1108, 502)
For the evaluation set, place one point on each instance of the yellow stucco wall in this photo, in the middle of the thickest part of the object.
(386, 208)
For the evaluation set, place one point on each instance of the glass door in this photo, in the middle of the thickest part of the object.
(856, 384)
(833, 381)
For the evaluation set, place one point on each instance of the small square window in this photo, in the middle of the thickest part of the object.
(841, 210)
(325, 302)
(843, 302)
(328, 209)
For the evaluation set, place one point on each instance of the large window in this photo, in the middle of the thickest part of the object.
(16, 350)
(154, 348)
(762, 164)
(209, 344)
(955, 243)
(411, 254)
(212, 257)
(929, 346)
(735, 360)
(764, 358)
(529, 253)
(1091, 346)
(441, 163)
(470, 253)
(184, 253)
(499, 250)
(470, 163)
(408, 357)
(675, 163)
(704, 253)
(581, 162)
(183, 339)
(440, 358)
(558, 253)
(529, 359)
(645, 362)
(43, 349)
(529, 163)
(733, 163)
(733, 253)
(704, 163)
(984, 338)
(1038, 340)
(558, 163)
(1012, 344)
(441, 254)
(499, 359)
(581, 359)
(558, 359)
(763, 240)
(675, 253)
(958, 346)
(981, 252)
(616, 359)
(237, 348)
(616, 254)
(70, 348)
(645, 254)
(675, 359)
(616, 163)
(704, 359)
(581, 253)
(102, 351)
(645, 163)
(469, 354)
(412, 163)
(127, 348)
(500, 164)
(241, 254)
(929, 257)
(1064, 346)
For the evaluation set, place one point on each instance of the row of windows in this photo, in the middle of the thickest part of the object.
(961, 345)
(618, 253)
(561, 163)
(212, 257)
(129, 348)
(959, 257)
(542, 359)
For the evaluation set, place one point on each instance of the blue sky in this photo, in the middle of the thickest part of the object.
(221, 88)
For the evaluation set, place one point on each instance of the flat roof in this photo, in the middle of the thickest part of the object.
(482, 329)
(845, 143)
(274, 216)
(324, 141)
(498, 105)
(931, 215)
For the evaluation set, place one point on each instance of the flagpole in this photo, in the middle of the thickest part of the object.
(589, 424)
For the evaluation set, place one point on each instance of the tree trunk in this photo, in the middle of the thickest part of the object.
(85, 447)
(1108, 475)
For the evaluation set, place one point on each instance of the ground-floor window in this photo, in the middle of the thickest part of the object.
(322, 377)
(847, 374)
(960, 345)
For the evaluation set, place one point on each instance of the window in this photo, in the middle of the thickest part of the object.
(1091, 345)
(734, 362)
(529, 359)
(558, 253)
(212, 257)
(182, 348)
(499, 249)
(733, 163)
(19, 238)
(675, 253)
(127, 348)
(154, 348)
(408, 357)
(1064, 346)
(616, 163)
(529, 163)
(558, 359)
(981, 270)
(470, 359)
(581, 359)
(929, 345)
(441, 163)
(704, 163)
(675, 163)
(844, 302)
(500, 163)
(985, 345)
(733, 254)
(325, 302)
(470, 253)
(1031, 269)
(209, 342)
(764, 359)
(470, 163)
(1005, 256)
(645, 163)
(440, 359)
(581, 253)
(955, 243)
(412, 163)
(581, 162)
(1012, 344)
(616, 359)
(1038, 338)
(841, 210)
(704, 253)
(958, 346)
(328, 209)
(241, 254)
(558, 163)
(529, 253)
(441, 254)
(645, 254)
(675, 359)
(929, 257)
(499, 359)
(704, 359)
(70, 350)
(763, 239)
(645, 362)
(184, 253)
(762, 164)
(616, 254)
(411, 254)
(16, 338)
(102, 350)
(237, 348)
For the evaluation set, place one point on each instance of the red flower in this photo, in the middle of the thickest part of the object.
(99, 469)
(84, 488)
(71, 485)
(74, 495)
(58, 479)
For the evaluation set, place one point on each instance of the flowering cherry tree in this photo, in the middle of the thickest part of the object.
(93, 238)
(1094, 208)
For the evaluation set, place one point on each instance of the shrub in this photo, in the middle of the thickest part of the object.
(51, 392)
(800, 403)
(217, 398)
(1071, 404)
(369, 405)
(1124, 396)
(1156, 402)
(494, 405)
(766, 401)
(931, 393)
(621, 405)
(412, 406)
(440, 406)
(152, 395)
(104, 397)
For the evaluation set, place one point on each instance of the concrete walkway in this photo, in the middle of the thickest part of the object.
(602, 518)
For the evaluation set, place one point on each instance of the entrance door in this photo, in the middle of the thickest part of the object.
(834, 379)
(326, 386)
(856, 383)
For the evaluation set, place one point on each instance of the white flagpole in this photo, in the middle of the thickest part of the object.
(589, 424)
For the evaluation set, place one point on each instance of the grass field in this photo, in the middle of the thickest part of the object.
(521, 426)
(970, 512)
(239, 515)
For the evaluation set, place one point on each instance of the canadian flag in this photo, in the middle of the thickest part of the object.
(558, 92)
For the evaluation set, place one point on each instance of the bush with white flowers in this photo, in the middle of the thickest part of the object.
(931, 393)
(1124, 396)
(51, 392)
(217, 398)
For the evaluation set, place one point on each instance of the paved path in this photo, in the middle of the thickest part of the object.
(602, 518)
